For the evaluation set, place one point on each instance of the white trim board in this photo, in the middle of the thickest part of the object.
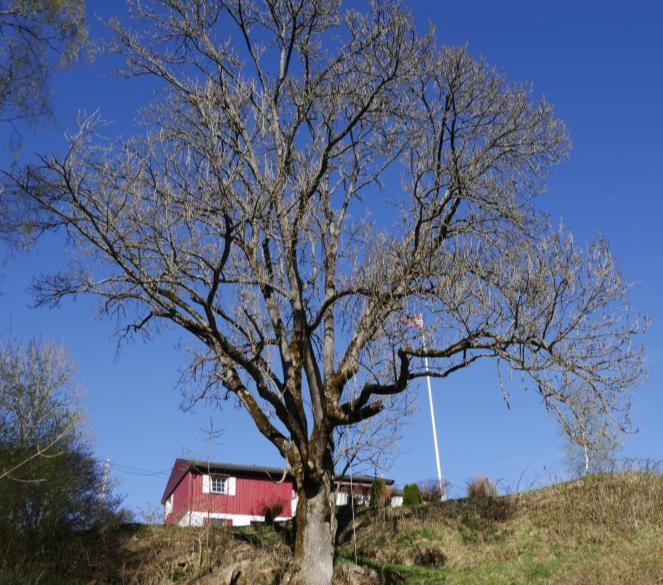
(198, 518)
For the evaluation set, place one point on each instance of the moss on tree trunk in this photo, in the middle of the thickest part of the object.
(315, 525)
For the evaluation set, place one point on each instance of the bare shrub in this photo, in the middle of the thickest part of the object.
(430, 490)
(481, 487)
(151, 514)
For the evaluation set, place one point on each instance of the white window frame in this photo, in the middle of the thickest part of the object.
(215, 480)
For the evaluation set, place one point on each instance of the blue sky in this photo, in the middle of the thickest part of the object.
(599, 63)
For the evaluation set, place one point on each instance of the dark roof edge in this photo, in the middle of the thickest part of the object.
(184, 465)
(362, 479)
(215, 466)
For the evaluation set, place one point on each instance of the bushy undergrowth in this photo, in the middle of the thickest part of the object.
(136, 554)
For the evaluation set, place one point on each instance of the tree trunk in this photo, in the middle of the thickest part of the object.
(315, 529)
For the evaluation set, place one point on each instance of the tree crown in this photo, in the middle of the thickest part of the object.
(309, 178)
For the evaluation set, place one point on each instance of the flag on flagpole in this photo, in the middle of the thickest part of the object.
(414, 321)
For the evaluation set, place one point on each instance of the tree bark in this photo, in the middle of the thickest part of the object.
(315, 530)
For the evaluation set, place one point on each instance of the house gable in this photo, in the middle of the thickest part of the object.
(200, 491)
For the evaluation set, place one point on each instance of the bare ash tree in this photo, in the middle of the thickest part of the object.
(309, 175)
(51, 486)
(38, 407)
(36, 38)
(592, 441)
(32, 34)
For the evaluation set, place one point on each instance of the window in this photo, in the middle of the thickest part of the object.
(219, 484)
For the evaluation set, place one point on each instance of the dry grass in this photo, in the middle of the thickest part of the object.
(605, 529)
(160, 555)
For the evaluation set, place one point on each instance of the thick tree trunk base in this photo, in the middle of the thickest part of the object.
(314, 540)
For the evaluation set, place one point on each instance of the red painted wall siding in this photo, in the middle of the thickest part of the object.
(181, 498)
(252, 494)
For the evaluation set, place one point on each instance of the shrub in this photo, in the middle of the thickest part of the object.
(430, 557)
(481, 487)
(430, 490)
(411, 495)
(378, 493)
(272, 512)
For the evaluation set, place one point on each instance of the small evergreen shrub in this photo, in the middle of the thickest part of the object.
(411, 495)
(481, 487)
(378, 493)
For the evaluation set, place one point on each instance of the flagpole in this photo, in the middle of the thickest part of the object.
(443, 491)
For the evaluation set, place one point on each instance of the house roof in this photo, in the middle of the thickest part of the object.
(212, 466)
(182, 467)
(361, 479)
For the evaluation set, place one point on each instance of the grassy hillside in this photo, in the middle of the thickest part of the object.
(605, 529)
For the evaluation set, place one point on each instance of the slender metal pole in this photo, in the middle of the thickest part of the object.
(104, 481)
(440, 479)
(104, 485)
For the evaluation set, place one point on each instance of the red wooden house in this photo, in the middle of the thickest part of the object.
(198, 492)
